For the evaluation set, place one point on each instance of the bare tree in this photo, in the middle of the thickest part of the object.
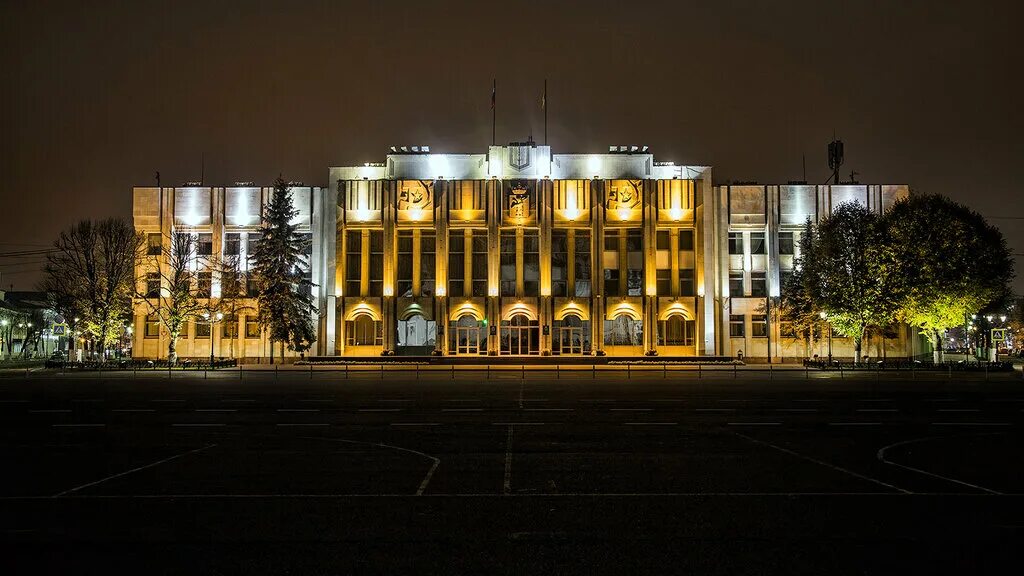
(91, 275)
(172, 291)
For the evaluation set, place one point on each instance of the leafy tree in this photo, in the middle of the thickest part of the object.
(955, 263)
(285, 306)
(796, 304)
(91, 274)
(180, 297)
(853, 275)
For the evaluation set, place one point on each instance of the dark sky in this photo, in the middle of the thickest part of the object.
(97, 96)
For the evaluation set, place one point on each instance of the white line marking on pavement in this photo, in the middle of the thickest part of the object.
(970, 423)
(190, 424)
(462, 409)
(78, 425)
(650, 423)
(415, 423)
(126, 472)
(822, 463)
(426, 478)
(755, 423)
(506, 486)
(854, 423)
(380, 410)
(881, 458)
(133, 410)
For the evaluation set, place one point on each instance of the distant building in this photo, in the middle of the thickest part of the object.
(518, 251)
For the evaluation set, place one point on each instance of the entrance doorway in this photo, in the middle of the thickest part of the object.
(416, 336)
(520, 336)
(470, 338)
(571, 336)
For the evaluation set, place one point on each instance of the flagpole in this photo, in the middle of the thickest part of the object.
(494, 94)
(545, 111)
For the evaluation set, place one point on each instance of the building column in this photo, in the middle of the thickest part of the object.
(597, 267)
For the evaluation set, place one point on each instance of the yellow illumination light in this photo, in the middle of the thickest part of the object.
(623, 213)
(676, 214)
(441, 291)
(362, 215)
(415, 213)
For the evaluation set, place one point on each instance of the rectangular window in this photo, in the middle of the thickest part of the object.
(508, 263)
(480, 255)
(403, 264)
(736, 328)
(456, 262)
(153, 244)
(623, 277)
(687, 285)
(152, 285)
(758, 284)
(251, 288)
(757, 243)
(252, 239)
(204, 244)
(428, 263)
(736, 284)
(735, 242)
(786, 243)
(531, 263)
(232, 244)
(663, 281)
(252, 327)
(202, 328)
(759, 326)
(686, 240)
(353, 261)
(376, 263)
(204, 284)
(662, 240)
(152, 326)
(559, 263)
(676, 331)
(583, 267)
(229, 327)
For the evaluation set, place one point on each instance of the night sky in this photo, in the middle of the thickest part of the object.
(98, 96)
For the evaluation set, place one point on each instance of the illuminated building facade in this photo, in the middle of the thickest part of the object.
(521, 252)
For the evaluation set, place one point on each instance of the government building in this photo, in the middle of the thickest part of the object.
(517, 251)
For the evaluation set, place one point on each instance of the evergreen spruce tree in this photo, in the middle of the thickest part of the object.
(283, 295)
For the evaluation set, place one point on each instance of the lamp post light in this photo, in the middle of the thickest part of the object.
(824, 317)
(213, 322)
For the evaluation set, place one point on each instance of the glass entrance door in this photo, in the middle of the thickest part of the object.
(519, 336)
(468, 336)
(570, 336)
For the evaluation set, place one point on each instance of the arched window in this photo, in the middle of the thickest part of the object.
(416, 331)
(520, 335)
(572, 335)
(363, 330)
(676, 330)
(467, 336)
(624, 330)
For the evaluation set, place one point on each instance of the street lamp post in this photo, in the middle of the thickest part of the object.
(213, 322)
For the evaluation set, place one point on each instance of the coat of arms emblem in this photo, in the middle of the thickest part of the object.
(519, 203)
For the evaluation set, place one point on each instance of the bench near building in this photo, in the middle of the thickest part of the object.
(518, 251)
